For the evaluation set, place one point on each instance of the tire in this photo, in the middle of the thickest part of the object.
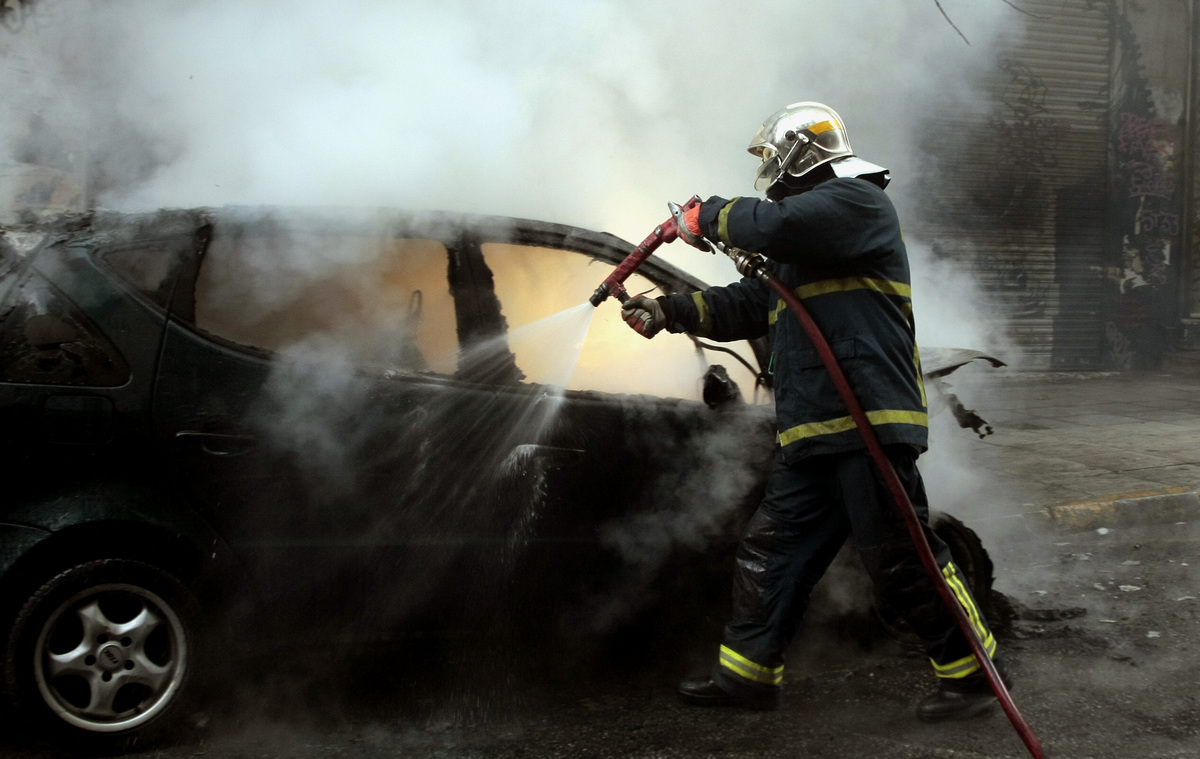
(101, 656)
(973, 563)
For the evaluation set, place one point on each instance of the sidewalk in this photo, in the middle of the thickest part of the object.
(1089, 449)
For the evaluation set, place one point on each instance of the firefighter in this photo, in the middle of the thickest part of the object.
(832, 235)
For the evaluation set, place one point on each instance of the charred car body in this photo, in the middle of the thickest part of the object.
(336, 422)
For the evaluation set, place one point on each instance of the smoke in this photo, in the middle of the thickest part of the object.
(955, 484)
(593, 113)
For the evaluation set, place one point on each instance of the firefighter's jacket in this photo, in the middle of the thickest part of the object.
(838, 247)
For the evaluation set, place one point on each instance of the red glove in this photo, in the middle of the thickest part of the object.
(690, 232)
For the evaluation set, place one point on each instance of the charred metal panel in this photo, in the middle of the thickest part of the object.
(482, 357)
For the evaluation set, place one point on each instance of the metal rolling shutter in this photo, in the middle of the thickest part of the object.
(1019, 189)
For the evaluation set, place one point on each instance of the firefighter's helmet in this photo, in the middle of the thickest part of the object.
(798, 139)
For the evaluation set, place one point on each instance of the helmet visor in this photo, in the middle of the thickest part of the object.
(768, 172)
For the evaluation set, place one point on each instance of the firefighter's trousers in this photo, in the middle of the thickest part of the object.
(808, 510)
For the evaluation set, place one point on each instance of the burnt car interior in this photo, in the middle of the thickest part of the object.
(439, 300)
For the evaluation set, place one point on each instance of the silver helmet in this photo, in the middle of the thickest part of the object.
(796, 140)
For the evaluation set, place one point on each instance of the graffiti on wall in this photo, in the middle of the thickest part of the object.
(1147, 184)
(1083, 159)
(1146, 213)
(1146, 157)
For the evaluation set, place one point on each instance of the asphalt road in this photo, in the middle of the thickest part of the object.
(1102, 643)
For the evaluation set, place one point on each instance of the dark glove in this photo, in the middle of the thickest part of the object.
(644, 315)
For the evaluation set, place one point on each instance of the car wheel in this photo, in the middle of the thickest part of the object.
(101, 654)
(973, 563)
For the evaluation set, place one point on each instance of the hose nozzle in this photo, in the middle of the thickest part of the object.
(663, 233)
(606, 289)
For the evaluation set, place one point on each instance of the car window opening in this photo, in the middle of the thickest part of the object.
(537, 282)
(377, 302)
(46, 339)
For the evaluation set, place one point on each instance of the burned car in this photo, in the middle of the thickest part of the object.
(235, 423)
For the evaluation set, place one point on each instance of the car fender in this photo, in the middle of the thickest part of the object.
(106, 518)
(17, 540)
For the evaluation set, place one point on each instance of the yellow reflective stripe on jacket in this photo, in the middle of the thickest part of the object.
(723, 222)
(705, 326)
(743, 667)
(844, 423)
(826, 286)
(885, 286)
(912, 325)
(920, 376)
(968, 664)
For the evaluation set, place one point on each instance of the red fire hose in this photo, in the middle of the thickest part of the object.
(906, 509)
(754, 265)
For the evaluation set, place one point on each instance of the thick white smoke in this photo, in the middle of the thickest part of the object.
(593, 113)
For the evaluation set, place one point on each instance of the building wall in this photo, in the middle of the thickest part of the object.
(1148, 123)
(1017, 190)
(1190, 297)
(1072, 199)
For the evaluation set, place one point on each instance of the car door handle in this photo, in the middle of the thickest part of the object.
(219, 443)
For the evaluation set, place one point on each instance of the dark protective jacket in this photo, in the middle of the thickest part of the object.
(838, 247)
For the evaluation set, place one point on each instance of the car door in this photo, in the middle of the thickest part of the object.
(317, 400)
(636, 470)
(77, 356)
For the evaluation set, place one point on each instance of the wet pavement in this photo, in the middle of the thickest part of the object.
(1102, 653)
(1081, 449)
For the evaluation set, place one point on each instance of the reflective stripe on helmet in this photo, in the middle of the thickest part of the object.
(822, 127)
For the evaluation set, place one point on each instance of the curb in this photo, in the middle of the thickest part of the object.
(1163, 506)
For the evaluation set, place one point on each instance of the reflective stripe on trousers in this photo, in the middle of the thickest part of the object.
(808, 510)
(744, 668)
(967, 664)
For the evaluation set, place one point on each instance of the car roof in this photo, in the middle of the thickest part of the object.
(106, 227)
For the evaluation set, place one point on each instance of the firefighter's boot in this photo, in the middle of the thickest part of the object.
(705, 692)
(962, 698)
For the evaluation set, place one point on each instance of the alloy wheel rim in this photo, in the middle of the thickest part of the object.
(110, 658)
